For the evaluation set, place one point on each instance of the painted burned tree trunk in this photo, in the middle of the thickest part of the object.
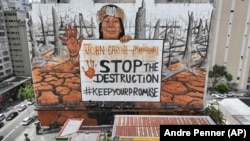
(207, 28)
(83, 25)
(187, 56)
(187, 52)
(166, 40)
(35, 52)
(43, 30)
(80, 23)
(174, 34)
(166, 33)
(58, 45)
(200, 31)
(140, 23)
(92, 27)
(157, 30)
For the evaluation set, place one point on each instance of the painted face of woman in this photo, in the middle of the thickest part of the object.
(111, 27)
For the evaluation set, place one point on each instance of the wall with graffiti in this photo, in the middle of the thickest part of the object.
(122, 52)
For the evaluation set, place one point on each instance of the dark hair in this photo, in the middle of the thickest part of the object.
(120, 35)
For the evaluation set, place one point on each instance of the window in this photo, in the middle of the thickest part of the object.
(18, 60)
(8, 71)
(2, 34)
(7, 65)
(5, 53)
(1, 73)
(6, 59)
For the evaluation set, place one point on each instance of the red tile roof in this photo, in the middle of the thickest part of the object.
(149, 126)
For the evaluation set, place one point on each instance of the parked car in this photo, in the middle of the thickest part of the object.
(230, 94)
(220, 96)
(214, 94)
(1, 124)
(213, 101)
(21, 108)
(27, 120)
(2, 117)
(31, 102)
(11, 116)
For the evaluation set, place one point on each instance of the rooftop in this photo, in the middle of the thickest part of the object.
(71, 126)
(237, 109)
(71, 130)
(149, 125)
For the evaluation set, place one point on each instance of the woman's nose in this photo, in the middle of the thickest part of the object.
(111, 24)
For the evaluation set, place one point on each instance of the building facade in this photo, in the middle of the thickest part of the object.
(14, 53)
(23, 5)
(67, 84)
(17, 38)
(6, 69)
(230, 40)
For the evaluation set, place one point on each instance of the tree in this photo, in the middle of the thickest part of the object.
(26, 92)
(218, 73)
(222, 88)
(215, 114)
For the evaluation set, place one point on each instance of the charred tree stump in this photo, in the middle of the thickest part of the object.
(36, 56)
(58, 44)
(157, 30)
(140, 22)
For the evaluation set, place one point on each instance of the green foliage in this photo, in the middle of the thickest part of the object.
(218, 73)
(106, 138)
(222, 88)
(26, 92)
(215, 114)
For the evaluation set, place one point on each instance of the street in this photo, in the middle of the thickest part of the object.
(13, 128)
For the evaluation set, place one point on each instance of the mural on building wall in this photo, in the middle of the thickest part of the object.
(60, 32)
(122, 72)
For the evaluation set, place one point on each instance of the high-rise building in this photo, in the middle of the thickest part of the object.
(5, 58)
(230, 40)
(14, 53)
(17, 36)
(19, 4)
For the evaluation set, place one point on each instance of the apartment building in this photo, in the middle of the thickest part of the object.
(6, 69)
(19, 4)
(14, 53)
(230, 40)
(17, 36)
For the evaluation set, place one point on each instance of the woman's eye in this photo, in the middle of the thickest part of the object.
(106, 22)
